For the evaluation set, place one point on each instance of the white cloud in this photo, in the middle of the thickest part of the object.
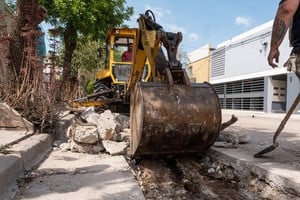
(159, 13)
(243, 21)
(173, 28)
(193, 37)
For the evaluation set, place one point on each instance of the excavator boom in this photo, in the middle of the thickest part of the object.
(169, 115)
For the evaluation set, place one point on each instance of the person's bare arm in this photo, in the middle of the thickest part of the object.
(282, 22)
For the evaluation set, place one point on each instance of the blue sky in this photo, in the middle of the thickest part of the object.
(206, 21)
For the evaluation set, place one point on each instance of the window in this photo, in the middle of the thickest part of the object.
(242, 95)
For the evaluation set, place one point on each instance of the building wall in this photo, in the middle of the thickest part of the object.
(244, 80)
(293, 88)
(199, 65)
(200, 70)
(246, 55)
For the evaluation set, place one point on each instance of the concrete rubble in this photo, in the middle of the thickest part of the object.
(92, 133)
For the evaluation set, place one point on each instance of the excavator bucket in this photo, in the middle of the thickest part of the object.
(173, 119)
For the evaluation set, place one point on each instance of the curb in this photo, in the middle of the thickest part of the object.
(262, 171)
(26, 154)
(260, 114)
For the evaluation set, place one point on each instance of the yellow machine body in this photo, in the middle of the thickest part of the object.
(168, 114)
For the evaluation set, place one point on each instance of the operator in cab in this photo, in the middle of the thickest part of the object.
(127, 55)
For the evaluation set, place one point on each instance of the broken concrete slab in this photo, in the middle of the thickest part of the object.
(13, 128)
(115, 148)
(10, 118)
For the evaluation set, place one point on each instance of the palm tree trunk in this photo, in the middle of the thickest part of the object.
(70, 45)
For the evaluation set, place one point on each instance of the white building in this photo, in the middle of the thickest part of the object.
(244, 80)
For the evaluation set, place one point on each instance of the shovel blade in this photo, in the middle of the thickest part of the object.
(266, 150)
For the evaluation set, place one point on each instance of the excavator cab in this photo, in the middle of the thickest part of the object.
(122, 57)
(110, 88)
(119, 57)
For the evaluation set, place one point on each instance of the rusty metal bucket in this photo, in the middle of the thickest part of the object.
(173, 119)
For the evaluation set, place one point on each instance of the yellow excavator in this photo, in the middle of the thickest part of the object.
(168, 113)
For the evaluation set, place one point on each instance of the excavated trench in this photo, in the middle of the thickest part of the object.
(194, 177)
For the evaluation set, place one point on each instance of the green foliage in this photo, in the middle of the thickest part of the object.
(90, 86)
(118, 54)
(86, 56)
(86, 60)
(88, 17)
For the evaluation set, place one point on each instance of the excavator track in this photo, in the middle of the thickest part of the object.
(101, 86)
